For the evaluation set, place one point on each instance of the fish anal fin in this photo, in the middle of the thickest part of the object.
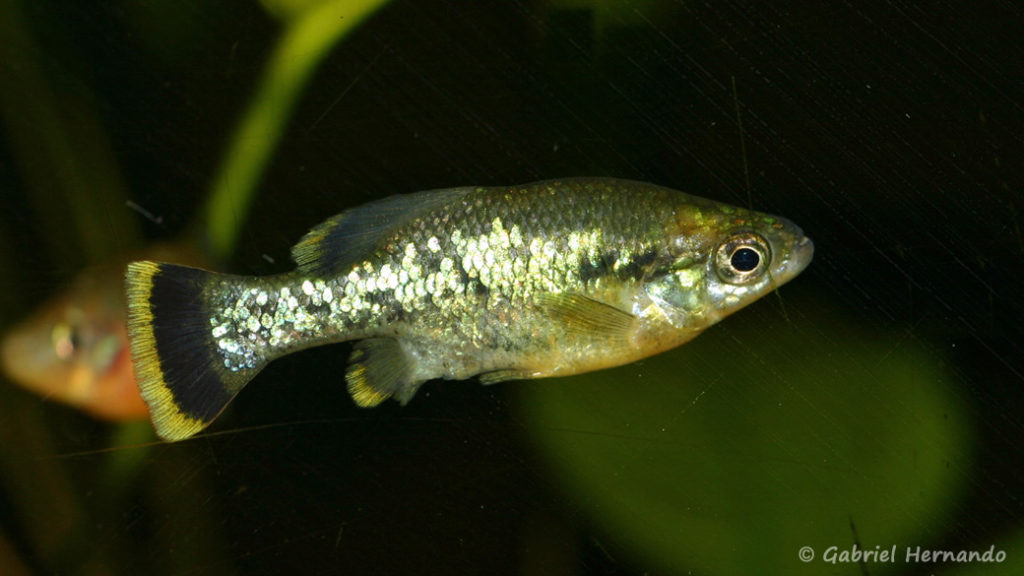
(346, 238)
(379, 368)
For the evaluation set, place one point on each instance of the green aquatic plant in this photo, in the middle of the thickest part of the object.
(731, 454)
(311, 29)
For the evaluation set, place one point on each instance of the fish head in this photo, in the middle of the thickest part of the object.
(74, 349)
(720, 259)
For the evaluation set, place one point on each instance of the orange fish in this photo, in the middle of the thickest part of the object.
(74, 349)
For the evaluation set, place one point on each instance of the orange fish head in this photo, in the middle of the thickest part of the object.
(75, 350)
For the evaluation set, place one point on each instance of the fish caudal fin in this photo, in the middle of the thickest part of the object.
(179, 372)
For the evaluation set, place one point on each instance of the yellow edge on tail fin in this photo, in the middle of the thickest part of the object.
(168, 419)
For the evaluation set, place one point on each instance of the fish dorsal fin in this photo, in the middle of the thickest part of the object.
(350, 236)
(584, 316)
(379, 369)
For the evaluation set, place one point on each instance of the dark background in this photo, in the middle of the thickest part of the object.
(891, 132)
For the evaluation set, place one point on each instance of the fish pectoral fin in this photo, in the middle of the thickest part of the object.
(496, 376)
(584, 316)
(380, 368)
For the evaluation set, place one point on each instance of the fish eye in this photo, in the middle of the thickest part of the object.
(70, 334)
(745, 259)
(65, 339)
(742, 258)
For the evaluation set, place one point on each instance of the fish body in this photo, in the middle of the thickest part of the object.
(547, 279)
(74, 348)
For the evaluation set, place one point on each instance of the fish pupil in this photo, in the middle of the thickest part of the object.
(745, 259)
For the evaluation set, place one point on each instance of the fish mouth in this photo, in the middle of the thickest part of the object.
(804, 252)
(794, 262)
(28, 359)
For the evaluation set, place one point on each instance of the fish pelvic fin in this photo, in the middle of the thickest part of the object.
(180, 375)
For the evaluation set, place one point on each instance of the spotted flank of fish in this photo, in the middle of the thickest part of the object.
(547, 279)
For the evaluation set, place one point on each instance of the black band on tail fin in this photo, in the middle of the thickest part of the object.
(180, 374)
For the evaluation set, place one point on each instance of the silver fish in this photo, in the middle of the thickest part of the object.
(546, 279)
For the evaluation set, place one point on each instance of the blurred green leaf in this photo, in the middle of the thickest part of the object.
(285, 10)
(728, 455)
(308, 37)
(60, 147)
